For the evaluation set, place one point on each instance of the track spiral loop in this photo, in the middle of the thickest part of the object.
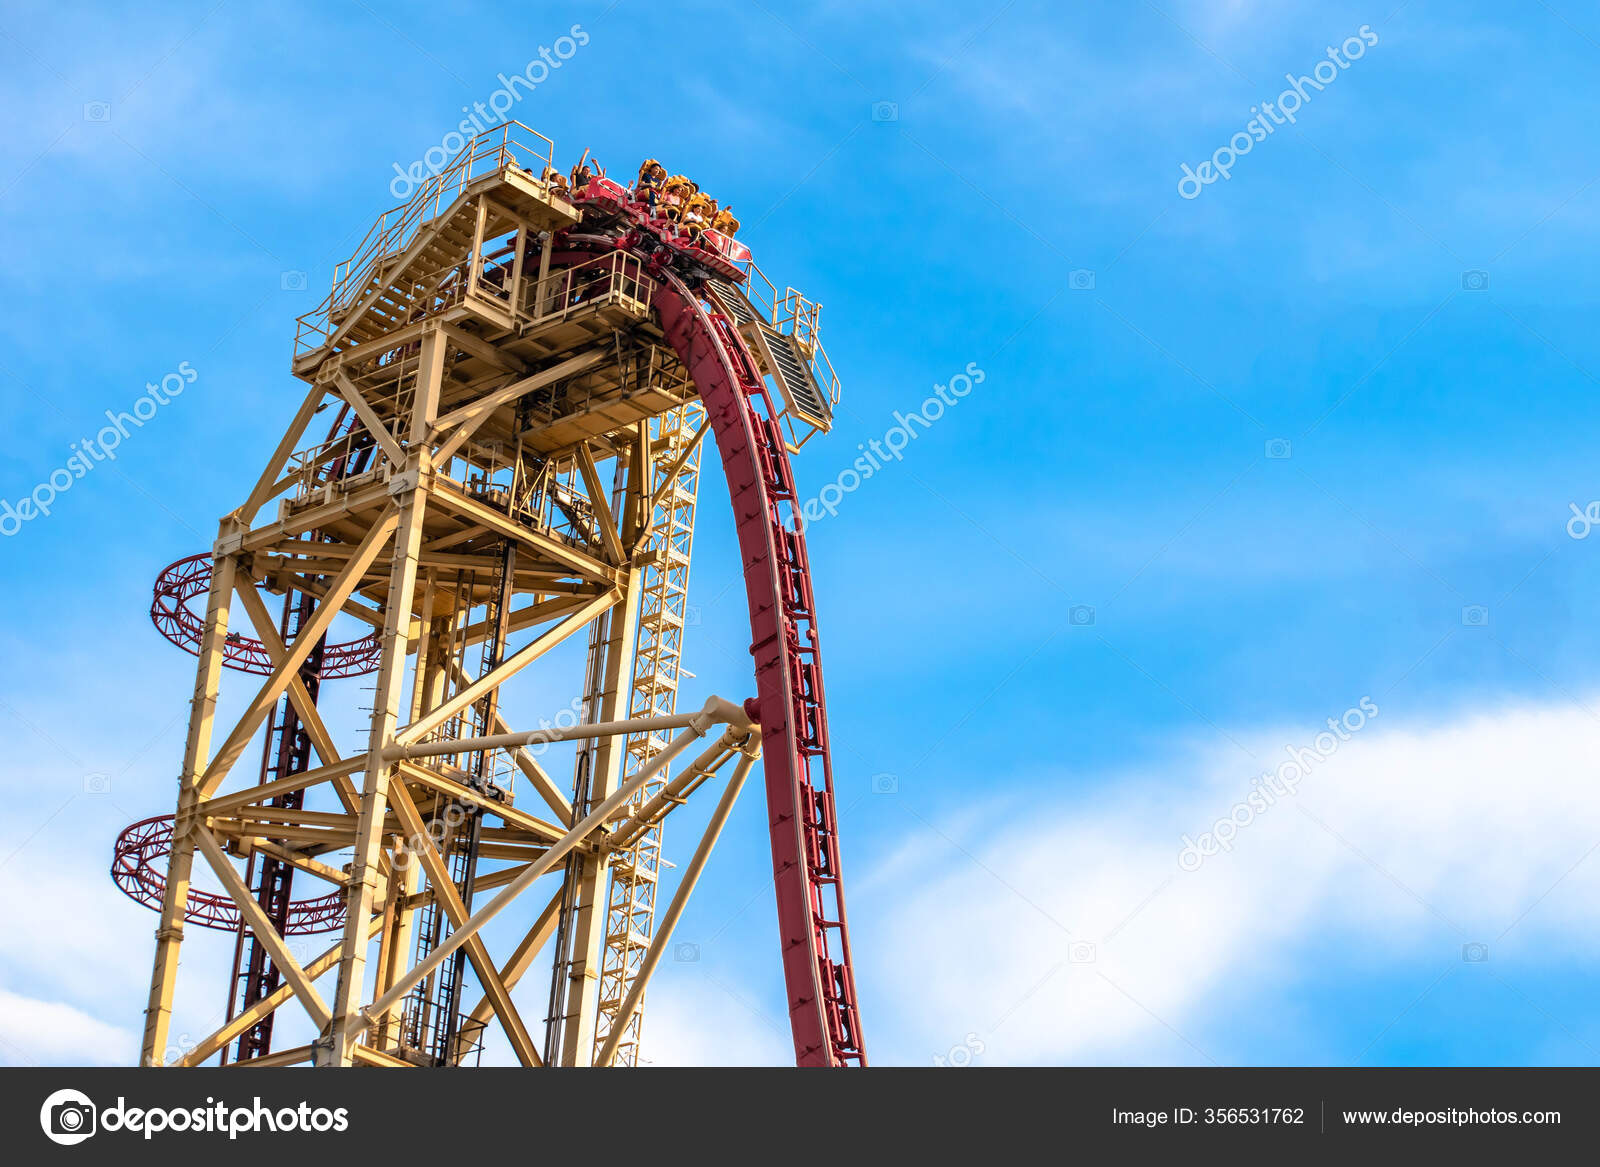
(190, 579)
(137, 867)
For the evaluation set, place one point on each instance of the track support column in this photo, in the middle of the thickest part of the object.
(588, 911)
(196, 753)
(410, 486)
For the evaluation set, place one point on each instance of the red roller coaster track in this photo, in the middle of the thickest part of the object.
(788, 659)
(137, 870)
(190, 579)
(806, 870)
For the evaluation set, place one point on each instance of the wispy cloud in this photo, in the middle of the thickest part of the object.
(37, 1033)
(1077, 937)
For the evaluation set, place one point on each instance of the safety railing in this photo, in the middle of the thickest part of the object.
(343, 458)
(448, 286)
(512, 145)
(418, 1041)
(796, 316)
(304, 465)
(822, 370)
(614, 278)
(800, 318)
(726, 246)
(759, 290)
(496, 270)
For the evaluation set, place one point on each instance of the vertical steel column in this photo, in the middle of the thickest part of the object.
(411, 489)
(587, 914)
(202, 713)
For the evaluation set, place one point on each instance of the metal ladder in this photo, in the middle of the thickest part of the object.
(287, 751)
(657, 666)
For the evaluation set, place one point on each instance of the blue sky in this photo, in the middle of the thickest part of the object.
(996, 188)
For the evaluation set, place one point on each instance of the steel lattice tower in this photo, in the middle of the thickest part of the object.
(522, 377)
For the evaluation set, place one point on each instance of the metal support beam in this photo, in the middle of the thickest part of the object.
(258, 923)
(663, 936)
(512, 665)
(349, 1022)
(539, 867)
(175, 900)
(285, 673)
(587, 920)
(444, 889)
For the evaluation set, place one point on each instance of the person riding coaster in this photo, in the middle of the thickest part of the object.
(583, 174)
(675, 193)
(647, 190)
(697, 215)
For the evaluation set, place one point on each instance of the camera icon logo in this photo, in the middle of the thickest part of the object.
(1475, 281)
(292, 281)
(1081, 952)
(1279, 448)
(885, 111)
(686, 953)
(1475, 616)
(97, 783)
(885, 784)
(68, 1117)
(1080, 615)
(97, 111)
(1081, 280)
(1475, 953)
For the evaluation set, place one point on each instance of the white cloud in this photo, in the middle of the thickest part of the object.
(1411, 841)
(74, 914)
(34, 1032)
(692, 1022)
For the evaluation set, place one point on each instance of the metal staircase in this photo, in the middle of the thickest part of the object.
(799, 374)
(405, 286)
(419, 257)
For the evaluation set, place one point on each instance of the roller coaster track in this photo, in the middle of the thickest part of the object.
(791, 707)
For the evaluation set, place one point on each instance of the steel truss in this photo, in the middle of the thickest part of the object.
(523, 380)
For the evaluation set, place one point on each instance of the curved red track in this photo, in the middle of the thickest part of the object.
(793, 714)
(137, 871)
(190, 579)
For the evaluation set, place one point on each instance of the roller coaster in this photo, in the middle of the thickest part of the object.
(521, 376)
